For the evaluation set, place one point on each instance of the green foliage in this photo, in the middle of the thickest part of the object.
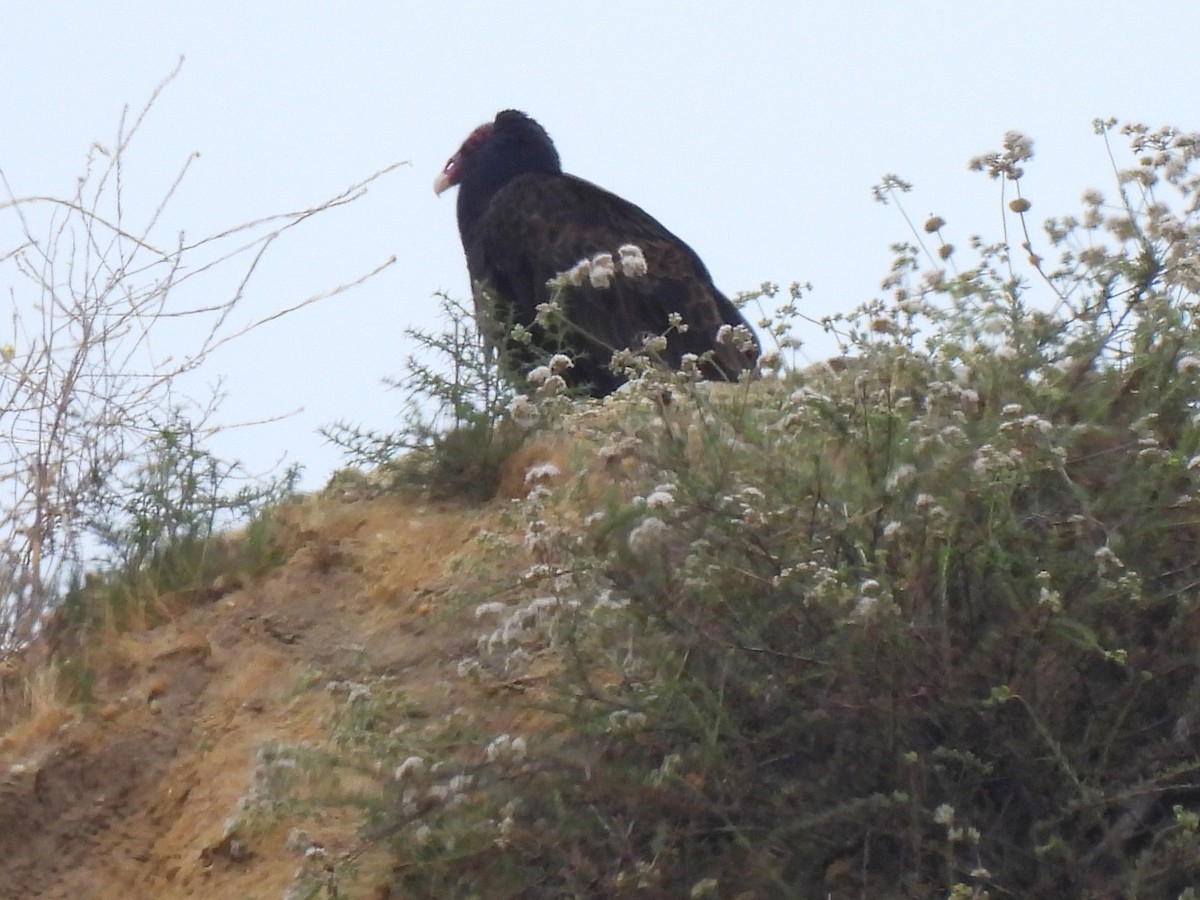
(454, 436)
(162, 531)
(918, 621)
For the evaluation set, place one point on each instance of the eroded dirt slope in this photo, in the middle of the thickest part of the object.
(132, 795)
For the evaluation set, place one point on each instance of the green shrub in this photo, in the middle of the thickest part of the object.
(455, 435)
(171, 528)
(920, 621)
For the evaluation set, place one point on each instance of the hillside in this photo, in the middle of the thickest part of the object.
(868, 628)
(132, 794)
(918, 621)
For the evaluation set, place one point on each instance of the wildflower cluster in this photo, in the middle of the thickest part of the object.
(600, 270)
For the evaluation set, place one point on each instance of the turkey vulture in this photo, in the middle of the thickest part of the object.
(523, 222)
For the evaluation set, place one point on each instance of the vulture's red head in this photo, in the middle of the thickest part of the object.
(491, 156)
(511, 145)
(452, 173)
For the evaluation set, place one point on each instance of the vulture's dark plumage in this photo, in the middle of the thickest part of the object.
(523, 221)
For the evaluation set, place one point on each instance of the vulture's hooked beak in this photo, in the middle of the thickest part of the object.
(448, 177)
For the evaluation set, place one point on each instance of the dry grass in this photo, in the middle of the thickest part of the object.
(366, 588)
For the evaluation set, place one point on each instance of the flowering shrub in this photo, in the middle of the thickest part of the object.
(921, 619)
(917, 621)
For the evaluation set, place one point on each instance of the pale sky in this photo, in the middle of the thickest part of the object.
(754, 131)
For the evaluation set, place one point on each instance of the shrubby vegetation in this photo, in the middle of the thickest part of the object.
(919, 621)
(165, 529)
(455, 435)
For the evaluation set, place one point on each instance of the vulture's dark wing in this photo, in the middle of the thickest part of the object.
(539, 225)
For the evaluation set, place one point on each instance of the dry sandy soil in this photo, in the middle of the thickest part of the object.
(131, 794)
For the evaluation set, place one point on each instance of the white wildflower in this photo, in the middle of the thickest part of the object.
(900, 476)
(602, 270)
(506, 746)
(414, 765)
(547, 314)
(633, 262)
(952, 433)
(770, 361)
(572, 277)
(523, 411)
(689, 365)
(553, 384)
(1037, 423)
(560, 362)
(864, 610)
(625, 360)
(1050, 598)
(660, 497)
(944, 814)
(989, 459)
(739, 335)
(606, 600)
(655, 344)
(647, 538)
(1107, 560)
(506, 826)
(1018, 147)
(541, 472)
(1188, 364)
